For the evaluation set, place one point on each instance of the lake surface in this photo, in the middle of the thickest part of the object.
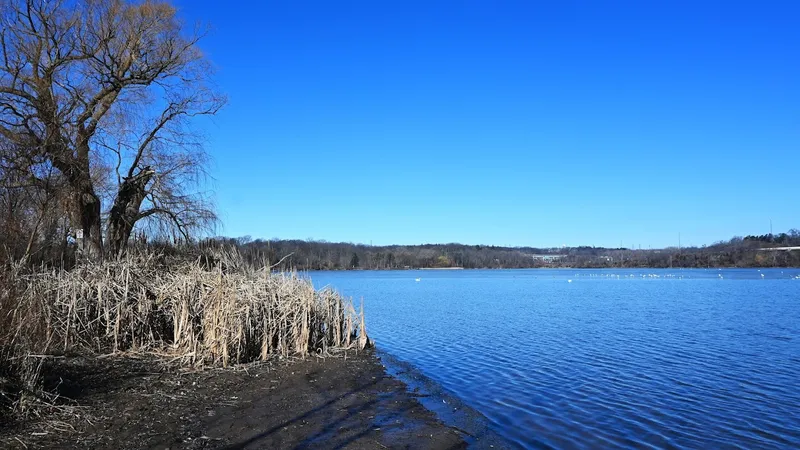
(613, 358)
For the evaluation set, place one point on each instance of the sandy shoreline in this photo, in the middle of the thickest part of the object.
(332, 402)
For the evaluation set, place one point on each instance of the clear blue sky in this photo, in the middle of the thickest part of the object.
(508, 123)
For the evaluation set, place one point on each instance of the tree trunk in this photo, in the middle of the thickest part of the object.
(86, 208)
(90, 220)
(125, 212)
(85, 213)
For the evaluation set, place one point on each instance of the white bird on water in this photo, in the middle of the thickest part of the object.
(418, 279)
(569, 281)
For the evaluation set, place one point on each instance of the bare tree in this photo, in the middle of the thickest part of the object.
(31, 194)
(104, 89)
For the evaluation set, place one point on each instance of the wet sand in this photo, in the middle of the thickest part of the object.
(332, 402)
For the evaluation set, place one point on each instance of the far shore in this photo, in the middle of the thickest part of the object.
(412, 269)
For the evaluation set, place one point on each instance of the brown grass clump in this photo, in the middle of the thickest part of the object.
(199, 312)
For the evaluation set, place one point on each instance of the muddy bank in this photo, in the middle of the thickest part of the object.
(333, 402)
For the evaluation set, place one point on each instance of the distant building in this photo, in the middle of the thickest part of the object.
(547, 258)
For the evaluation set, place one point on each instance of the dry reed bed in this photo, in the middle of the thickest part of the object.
(213, 311)
(220, 315)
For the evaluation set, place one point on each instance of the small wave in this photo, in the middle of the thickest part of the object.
(690, 364)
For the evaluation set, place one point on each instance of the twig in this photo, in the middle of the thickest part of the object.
(37, 356)
(279, 262)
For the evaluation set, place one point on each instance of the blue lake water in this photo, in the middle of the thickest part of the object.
(613, 358)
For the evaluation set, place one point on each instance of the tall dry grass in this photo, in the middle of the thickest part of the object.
(212, 310)
(19, 370)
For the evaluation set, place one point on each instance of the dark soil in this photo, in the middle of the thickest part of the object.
(333, 402)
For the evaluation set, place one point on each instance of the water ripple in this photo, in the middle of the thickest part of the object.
(682, 360)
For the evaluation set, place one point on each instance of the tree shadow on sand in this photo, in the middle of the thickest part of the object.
(360, 417)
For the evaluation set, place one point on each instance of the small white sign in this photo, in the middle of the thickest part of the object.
(79, 234)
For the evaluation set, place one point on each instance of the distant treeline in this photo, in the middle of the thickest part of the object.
(321, 255)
